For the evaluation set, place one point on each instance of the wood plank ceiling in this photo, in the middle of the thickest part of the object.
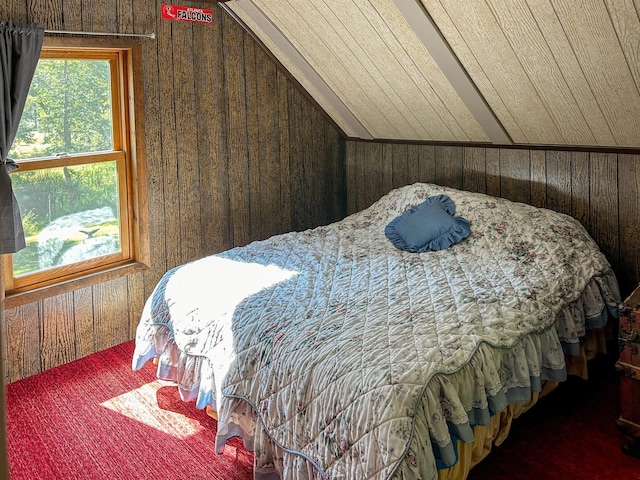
(530, 72)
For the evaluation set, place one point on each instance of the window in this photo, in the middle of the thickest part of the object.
(81, 178)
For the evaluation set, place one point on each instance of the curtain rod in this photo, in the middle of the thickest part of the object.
(69, 32)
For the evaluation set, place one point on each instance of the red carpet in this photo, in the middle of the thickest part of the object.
(96, 419)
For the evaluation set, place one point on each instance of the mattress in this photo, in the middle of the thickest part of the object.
(334, 354)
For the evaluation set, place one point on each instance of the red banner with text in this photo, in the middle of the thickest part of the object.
(186, 14)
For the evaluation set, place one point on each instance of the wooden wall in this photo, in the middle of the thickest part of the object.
(235, 153)
(4, 459)
(602, 190)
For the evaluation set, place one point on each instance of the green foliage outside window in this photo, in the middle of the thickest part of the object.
(68, 110)
(45, 195)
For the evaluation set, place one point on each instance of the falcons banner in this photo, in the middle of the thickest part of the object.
(186, 14)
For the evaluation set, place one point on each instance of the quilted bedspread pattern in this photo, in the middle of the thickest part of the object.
(335, 355)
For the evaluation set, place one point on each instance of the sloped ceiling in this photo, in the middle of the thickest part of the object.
(531, 72)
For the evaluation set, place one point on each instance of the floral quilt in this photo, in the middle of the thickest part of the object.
(335, 355)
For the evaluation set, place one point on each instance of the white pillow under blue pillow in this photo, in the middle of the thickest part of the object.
(428, 226)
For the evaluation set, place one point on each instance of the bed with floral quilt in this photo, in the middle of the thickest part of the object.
(363, 350)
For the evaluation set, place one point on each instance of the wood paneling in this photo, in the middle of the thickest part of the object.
(375, 66)
(531, 72)
(4, 461)
(23, 329)
(235, 153)
(601, 190)
(58, 332)
(561, 72)
(629, 215)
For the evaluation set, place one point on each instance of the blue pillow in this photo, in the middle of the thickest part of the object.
(428, 226)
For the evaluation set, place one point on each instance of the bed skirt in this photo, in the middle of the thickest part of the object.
(496, 432)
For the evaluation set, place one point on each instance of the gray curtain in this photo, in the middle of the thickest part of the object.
(20, 47)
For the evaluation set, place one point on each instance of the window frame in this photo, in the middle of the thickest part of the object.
(129, 153)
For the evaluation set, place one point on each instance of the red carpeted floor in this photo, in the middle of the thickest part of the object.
(96, 419)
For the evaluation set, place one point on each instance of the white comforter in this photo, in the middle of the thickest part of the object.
(335, 355)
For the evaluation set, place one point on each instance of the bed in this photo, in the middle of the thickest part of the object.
(335, 353)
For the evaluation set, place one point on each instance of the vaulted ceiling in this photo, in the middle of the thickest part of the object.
(531, 72)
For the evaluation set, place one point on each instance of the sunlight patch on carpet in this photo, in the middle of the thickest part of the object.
(142, 406)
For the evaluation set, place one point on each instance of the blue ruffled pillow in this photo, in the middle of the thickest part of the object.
(428, 226)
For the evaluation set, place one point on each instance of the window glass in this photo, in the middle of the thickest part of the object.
(68, 110)
(70, 214)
